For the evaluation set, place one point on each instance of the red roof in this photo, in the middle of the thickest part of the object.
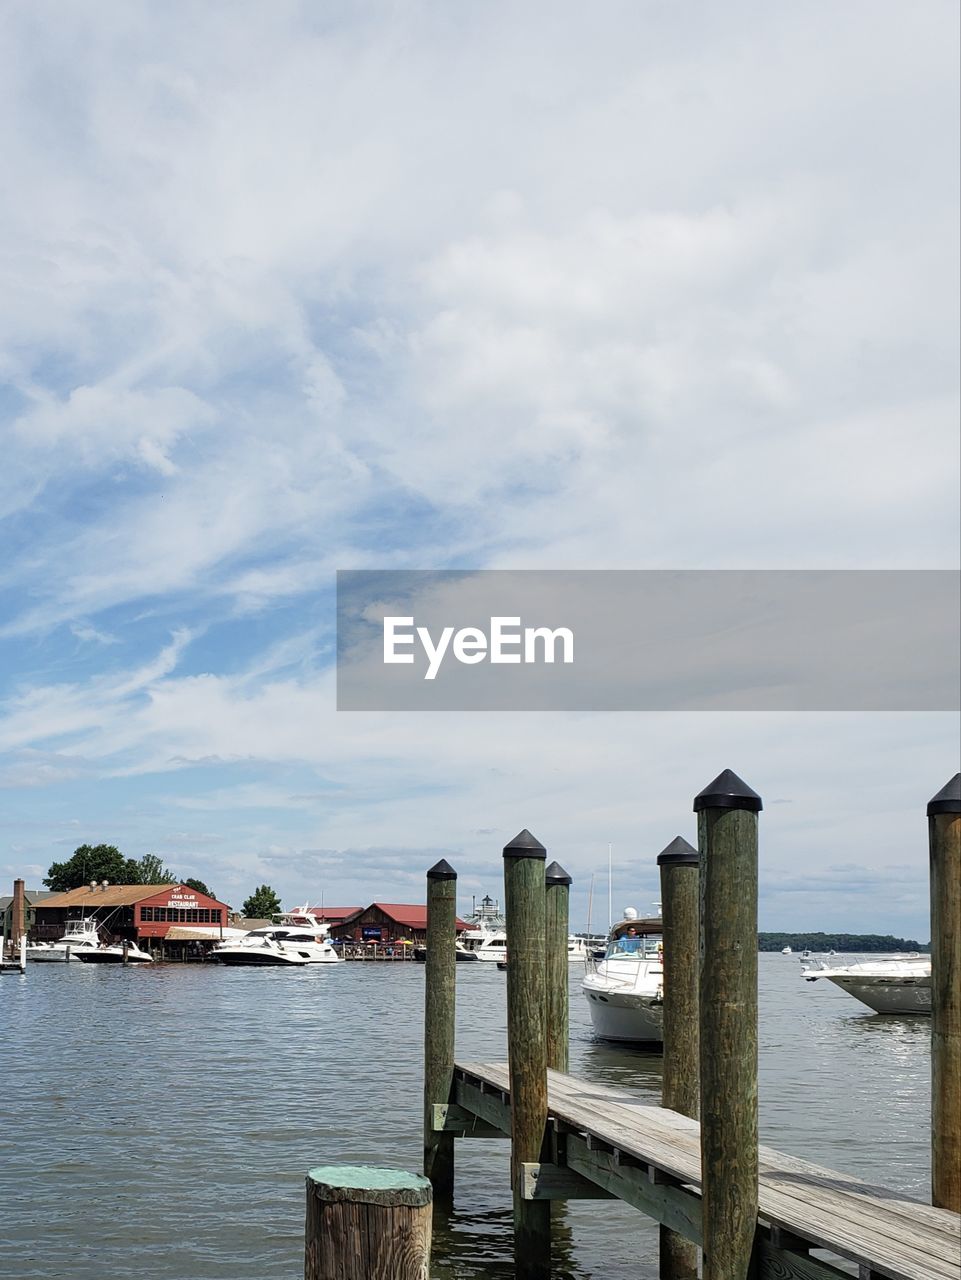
(332, 913)
(411, 917)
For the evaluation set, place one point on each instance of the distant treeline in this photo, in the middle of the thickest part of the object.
(838, 942)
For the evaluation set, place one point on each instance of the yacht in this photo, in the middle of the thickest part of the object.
(261, 948)
(461, 952)
(625, 989)
(79, 935)
(297, 935)
(114, 954)
(889, 984)
(487, 935)
(786, 951)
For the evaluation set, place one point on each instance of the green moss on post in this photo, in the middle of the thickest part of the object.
(367, 1224)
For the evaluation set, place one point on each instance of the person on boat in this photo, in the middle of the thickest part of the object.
(630, 942)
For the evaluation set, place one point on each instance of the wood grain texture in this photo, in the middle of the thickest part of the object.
(353, 1234)
(557, 914)
(944, 841)
(439, 1020)
(680, 905)
(899, 1238)
(728, 1039)
(524, 897)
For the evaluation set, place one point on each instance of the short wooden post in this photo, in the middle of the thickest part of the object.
(439, 1012)
(525, 904)
(680, 897)
(367, 1224)
(727, 812)
(556, 971)
(944, 841)
(23, 953)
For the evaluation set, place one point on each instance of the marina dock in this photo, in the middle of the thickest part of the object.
(604, 1142)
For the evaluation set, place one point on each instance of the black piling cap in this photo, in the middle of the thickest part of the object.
(678, 854)
(442, 871)
(525, 845)
(948, 799)
(727, 791)
(555, 874)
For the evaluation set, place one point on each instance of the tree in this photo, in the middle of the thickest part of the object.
(199, 886)
(261, 904)
(151, 870)
(89, 862)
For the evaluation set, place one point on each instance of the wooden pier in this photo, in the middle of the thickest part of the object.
(605, 1143)
(750, 1212)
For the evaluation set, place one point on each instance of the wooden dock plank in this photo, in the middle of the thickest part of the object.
(900, 1238)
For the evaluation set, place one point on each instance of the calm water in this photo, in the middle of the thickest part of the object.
(158, 1122)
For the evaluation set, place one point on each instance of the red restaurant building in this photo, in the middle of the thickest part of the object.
(389, 922)
(132, 911)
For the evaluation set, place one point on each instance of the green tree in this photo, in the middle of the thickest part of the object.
(199, 886)
(151, 870)
(89, 862)
(261, 904)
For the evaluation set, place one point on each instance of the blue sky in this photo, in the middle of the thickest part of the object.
(289, 289)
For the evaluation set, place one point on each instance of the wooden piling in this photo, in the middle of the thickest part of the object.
(18, 926)
(439, 1015)
(680, 894)
(525, 904)
(367, 1224)
(944, 842)
(125, 950)
(556, 973)
(727, 812)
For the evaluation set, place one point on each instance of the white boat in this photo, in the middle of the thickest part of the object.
(114, 954)
(625, 989)
(461, 953)
(890, 984)
(487, 935)
(79, 935)
(295, 938)
(786, 951)
(261, 950)
(582, 945)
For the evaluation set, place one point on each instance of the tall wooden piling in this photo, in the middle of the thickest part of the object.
(556, 974)
(944, 842)
(367, 1224)
(680, 894)
(727, 812)
(439, 1015)
(525, 904)
(18, 926)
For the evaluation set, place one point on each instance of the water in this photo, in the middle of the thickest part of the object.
(159, 1121)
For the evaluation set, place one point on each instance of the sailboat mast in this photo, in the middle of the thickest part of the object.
(610, 886)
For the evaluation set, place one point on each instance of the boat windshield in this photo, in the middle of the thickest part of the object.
(647, 947)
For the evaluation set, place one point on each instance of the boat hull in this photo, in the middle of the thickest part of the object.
(111, 957)
(628, 1017)
(888, 995)
(261, 960)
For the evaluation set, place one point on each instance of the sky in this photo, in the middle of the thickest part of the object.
(296, 288)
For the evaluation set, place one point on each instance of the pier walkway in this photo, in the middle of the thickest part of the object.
(604, 1142)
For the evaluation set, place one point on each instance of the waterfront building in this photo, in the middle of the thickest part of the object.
(142, 913)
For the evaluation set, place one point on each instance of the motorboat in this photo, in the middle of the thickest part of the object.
(297, 937)
(889, 984)
(79, 935)
(114, 953)
(487, 935)
(625, 989)
(582, 945)
(786, 951)
(461, 953)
